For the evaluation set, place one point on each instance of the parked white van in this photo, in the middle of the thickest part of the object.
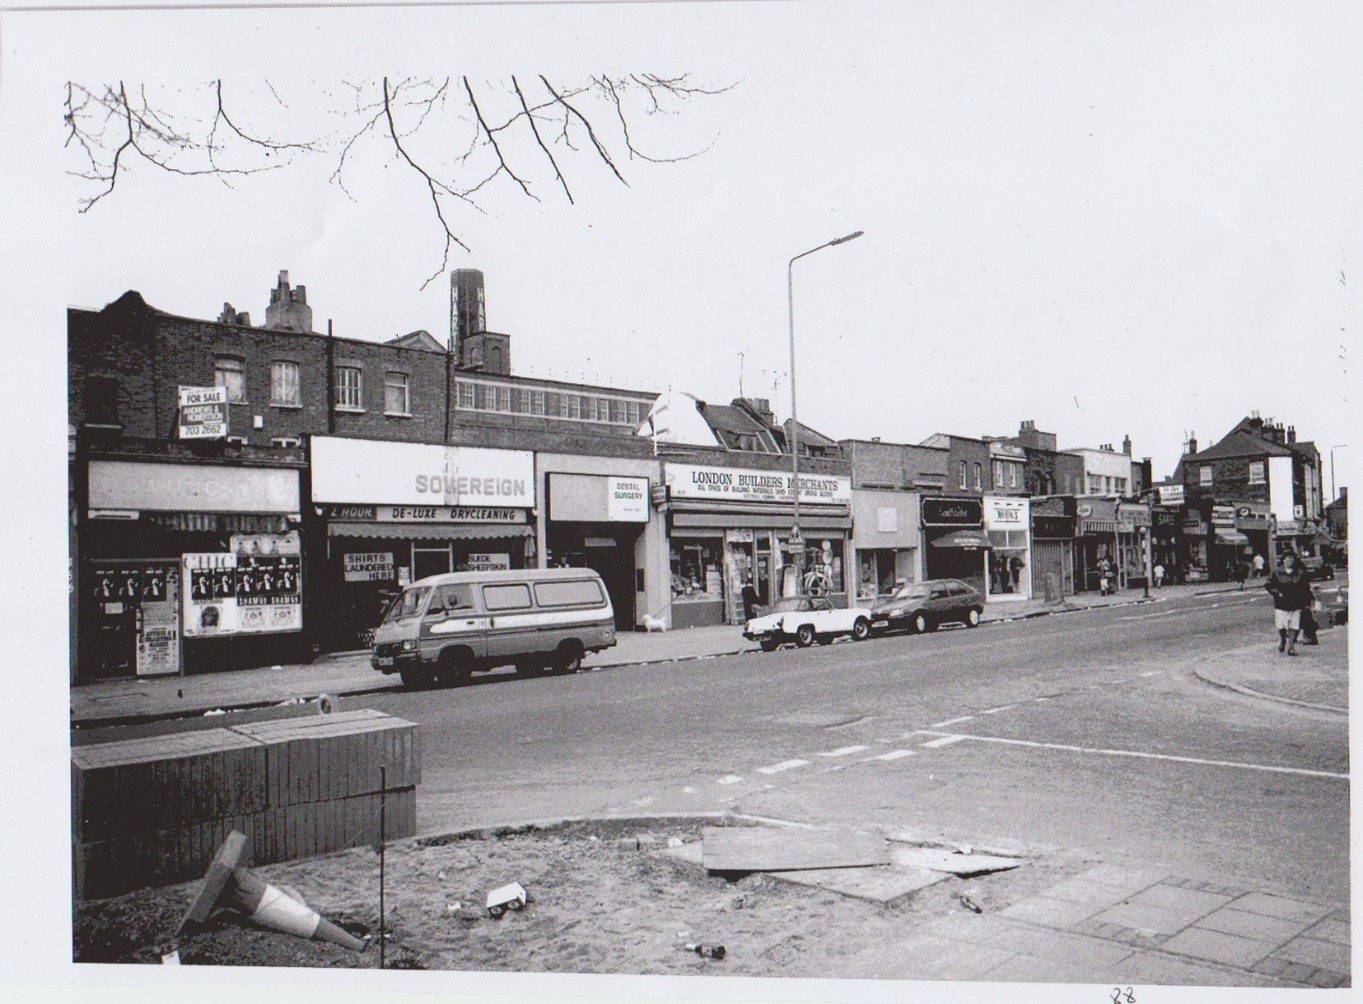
(446, 627)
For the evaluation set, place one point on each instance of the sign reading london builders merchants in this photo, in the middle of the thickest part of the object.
(370, 472)
(727, 484)
(203, 412)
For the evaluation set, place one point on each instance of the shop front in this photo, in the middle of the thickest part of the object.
(1195, 557)
(885, 541)
(730, 537)
(1164, 550)
(187, 568)
(1097, 542)
(1255, 521)
(600, 521)
(955, 545)
(1008, 524)
(1228, 546)
(387, 514)
(1133, 530)
(1052, 571)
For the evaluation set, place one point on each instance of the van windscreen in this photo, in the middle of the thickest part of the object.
(407, 605)
(570, 593)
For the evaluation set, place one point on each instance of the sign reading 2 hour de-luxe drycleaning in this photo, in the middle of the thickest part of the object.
(203, 412)
(719, 483)
(367, 472)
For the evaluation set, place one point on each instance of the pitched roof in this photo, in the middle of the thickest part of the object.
(1241, 444)
(420, 339)
(729, 421)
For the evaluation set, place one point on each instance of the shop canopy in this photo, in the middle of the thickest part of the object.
(1231, 537)
(963, 539)
(429, 531)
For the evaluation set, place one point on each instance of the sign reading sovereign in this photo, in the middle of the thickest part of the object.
(203, 412)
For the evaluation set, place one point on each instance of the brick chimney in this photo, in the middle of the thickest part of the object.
(1126, 445)
(288, 309)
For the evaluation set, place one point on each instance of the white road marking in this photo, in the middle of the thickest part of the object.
(893, 755)
(953, 721)
(688, 790)
(845, 751)
(1140, 755)
(1038, 700)
(776, 768)
(730, 779)
(1153, 672)
(945, 741)
(995, 711)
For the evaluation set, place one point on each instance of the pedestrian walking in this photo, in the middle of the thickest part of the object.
(1241, 573)
(1105, 577)
(1290, 587)
(1258, 565)
(1159, 576)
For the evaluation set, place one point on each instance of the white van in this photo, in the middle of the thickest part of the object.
(445, 627)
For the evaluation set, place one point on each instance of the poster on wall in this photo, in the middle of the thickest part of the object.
(242, 593)
(158, 633)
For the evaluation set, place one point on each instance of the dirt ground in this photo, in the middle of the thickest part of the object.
(604, 898)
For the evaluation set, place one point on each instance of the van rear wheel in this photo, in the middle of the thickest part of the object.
(568, 657)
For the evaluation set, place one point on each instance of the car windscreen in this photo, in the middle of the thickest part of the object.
(913, 591)
(789, 604)
(407, 605)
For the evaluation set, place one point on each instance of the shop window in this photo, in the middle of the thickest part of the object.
(697, 569)
(877, 573)
(285, 384)
(823, 567)
(581, 592)
(396, 394)
(230, 372)
(513, 596)
(1007, 562)
(1204, 474)
(1256, 472)
(349, 380)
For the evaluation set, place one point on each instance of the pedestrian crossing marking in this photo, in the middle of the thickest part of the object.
(845, 751)
(894, 755)
(776, 768)
(952, 721)
(995, 711)
(730, 779)
(943, 741)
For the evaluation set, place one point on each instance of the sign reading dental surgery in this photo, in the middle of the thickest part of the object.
(203, 412)
(627, 500)
(361, 471)
(727, 484)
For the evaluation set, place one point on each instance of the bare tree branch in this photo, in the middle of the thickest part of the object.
(591, 133)
(530, 118)
(501, 160)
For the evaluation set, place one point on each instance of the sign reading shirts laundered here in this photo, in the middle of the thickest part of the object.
(727, 484)
(371, 472)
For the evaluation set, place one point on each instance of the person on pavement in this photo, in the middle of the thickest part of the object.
(1258, 565)
(1290, 587)
(1159, 576)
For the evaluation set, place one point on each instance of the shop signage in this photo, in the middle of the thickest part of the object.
(376, 566)
(738, 536)
(1125, 524)
(421, 514)
(1223, 515)
(1171, 494)
(1053, 527)
(371, 472)
(1006, 513)
(887, 519)
(1194, 527)
(203, 412)
(1165, 518)
(241, 593)
(727, 484)
(485, 563)
(1085, 509)
(952, 512)
(627, 500)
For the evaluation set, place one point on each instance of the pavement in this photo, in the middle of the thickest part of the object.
(1317, 678)
(141, 699)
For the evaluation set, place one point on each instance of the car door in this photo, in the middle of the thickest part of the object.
(453, 616)
(939, 602)
(825, 617)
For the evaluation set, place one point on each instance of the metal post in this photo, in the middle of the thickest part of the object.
(794, 415)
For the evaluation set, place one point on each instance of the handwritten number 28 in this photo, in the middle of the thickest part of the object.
(1123, 998)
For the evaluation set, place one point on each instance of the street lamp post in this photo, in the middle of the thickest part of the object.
(794, 420)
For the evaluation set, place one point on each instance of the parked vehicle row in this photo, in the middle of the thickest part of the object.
(916, 607)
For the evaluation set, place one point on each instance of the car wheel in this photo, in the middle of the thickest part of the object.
(568, 657)
(417, 677)
(495, 912)
(972, 618)
(769, 644)
(920, 624)
(804, 637)
(861, 629)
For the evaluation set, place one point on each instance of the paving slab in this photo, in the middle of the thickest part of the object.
(1192, 902)
(996, 931)
(1032, 969)
(1144, 916)
(940, 860)
(759, 849)
(1050, 912)
(1280, 906)
(1157, 969)
(879, 884)
(928, 957)
(1317, 953)
(1216, 946)
(1080, 890)
(1274, 930)
(1331, 930)
(1134, 879)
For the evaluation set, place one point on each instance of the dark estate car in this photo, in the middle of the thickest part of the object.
(1319, 568)
(923, 606)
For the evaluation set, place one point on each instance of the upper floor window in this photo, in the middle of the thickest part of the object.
(230, 372)
(537, 402)
(979, 478)
(1095, 484)
(1012, 475)
(962, 472)
(1204, 474)
(466, 396)
(349, 385)
(396, 394)
(503, 398)
(285, 386)
(1256, 472)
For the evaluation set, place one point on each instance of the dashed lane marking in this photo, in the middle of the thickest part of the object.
(776, 768)
(995, 711)
(952, 721)
(892, 755)
(1153, 672)
(944, 741)
(1269, 768)
(845, 751)
(730, 779)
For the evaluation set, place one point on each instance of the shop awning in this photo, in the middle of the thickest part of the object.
(1231, 537)
(428, 531)
(963, 539)
(759, 521)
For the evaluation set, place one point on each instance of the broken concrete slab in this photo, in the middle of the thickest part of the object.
(879, 884)
(759, 849)
(939, 860)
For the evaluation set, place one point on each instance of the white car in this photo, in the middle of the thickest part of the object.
(805, 620)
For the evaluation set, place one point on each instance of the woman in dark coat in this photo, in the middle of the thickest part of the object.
(1290, 587)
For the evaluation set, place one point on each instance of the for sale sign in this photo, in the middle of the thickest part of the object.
(203, 412)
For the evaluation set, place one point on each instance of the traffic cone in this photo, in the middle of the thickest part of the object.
(228, 885)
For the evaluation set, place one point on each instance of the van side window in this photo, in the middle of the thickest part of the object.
(573, 593)
(451, 598)
(515, 596)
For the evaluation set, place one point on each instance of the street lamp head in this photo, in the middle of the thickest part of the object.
(849, 237)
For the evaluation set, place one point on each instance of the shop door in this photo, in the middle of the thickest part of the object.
(430, 561)
(109, 648)
(613, 560)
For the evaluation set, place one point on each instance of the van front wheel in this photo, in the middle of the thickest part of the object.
(416, 677)
(453, 670)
